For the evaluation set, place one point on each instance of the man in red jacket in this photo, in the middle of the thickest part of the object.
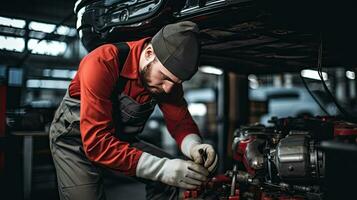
(107, 104)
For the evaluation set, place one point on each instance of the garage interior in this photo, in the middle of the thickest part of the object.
(275, 93)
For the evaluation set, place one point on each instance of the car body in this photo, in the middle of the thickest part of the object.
(116, 20)
(245, 36)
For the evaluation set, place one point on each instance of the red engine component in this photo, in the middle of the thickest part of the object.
(214, 184)
(345, 129)
(265, 196)
(239, 152)
(236, 195)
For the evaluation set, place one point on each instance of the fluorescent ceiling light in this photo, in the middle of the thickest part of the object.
(65, 30)
(59, 73)
(49, 84)
(253, 81)
(350, 75)
(15, 76)
(197, 109)
(211, 70)
(153, 124)
(49, 28)
(62, 73)
(16, 23)
(12, 43)
(313, 74)
(43, 27)
(53, 48)
(72, 74)
(252, 77)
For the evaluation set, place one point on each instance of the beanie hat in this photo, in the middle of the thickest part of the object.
(177, 47)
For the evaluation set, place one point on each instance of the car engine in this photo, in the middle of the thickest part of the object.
(286, 161)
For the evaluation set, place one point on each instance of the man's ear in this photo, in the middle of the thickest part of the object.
(149, 53)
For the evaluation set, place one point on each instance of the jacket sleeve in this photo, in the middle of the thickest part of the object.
(98, 74)
(178, 119)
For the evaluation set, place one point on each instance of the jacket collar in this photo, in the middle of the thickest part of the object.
(131, 65)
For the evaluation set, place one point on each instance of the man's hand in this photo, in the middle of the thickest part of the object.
(205, 155)
(176, 172)
(202, 154)
(184, 174)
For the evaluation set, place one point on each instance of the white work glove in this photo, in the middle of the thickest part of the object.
(202, 154)
(175, 172)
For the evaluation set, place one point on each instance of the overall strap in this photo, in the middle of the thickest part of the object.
(123, 54)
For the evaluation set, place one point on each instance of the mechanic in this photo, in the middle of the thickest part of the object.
(94, 131)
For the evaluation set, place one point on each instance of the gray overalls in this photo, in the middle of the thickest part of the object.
(77, 177)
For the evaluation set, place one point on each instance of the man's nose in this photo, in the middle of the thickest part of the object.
(167, 87)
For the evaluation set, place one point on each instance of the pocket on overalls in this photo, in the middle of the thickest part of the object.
(71, 122)
(132, 124)
(56, 127)
(135, 117)
(124, 117)
(58, 114)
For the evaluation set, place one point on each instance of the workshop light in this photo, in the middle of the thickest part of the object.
(72, 74)
(49, 84)
(211, 70)
(16, 23)
(59, 73)
(153, 124)
(65, 30)
(197, 109)
(12, 43)
(15, 76)
(53, 48)
(43, 27)
(253, 81)
(49, 28)
(313, 74)
(350, 75)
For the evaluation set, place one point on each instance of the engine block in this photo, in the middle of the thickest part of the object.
(279, 162)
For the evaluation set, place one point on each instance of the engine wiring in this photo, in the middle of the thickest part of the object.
(347, 115)
(313, 96)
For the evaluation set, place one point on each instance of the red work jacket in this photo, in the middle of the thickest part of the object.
(94, 83)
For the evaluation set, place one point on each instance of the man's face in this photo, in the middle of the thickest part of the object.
(157, 79)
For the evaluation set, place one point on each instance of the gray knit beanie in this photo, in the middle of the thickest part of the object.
(177, 47)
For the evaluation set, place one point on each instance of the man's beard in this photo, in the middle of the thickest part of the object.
(144, 77)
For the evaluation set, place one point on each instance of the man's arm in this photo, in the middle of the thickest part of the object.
(98, 73)
(185, 131)
(178, 119)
